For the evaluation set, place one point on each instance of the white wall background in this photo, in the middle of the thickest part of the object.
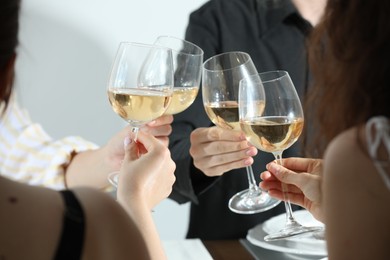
(65, 54)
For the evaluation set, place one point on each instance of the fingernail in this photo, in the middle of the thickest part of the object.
(273, 167)
(266, 175)
(248, 161)
(250, 152)
(127, 141)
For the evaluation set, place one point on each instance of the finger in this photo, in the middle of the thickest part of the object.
(271, 185)
(217, 170)
(294, 198)
(162, 120)
(202, 135)
(267, 176)
(224, 148)
(224, 158)
(157, 131)
(283, 174)
(141, 148)
(148, 141)
(164, 140)
(131, 149)
(297, 164)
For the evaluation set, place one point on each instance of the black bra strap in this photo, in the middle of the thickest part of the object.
(73, 229)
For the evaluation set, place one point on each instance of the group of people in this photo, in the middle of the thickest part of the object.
(211, 161)
(336, 52)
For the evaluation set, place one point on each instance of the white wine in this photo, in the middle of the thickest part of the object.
(272, 134)
(182, 98)
(224, 114)
(138, 106)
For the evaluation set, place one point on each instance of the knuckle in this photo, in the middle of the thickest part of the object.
(214, 133)
(242, 145)
(192, 151)
(194, 135)
(168, 119)
(195, 151)
(283, 175)
(197, 164)
(173, 179)
(219, 148)
(225, 159)
(213, 172)
(169, 129)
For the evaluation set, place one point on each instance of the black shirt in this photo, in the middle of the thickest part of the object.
(273, 33)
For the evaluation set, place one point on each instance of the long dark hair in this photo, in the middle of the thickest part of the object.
(9, 27)
(349, 55)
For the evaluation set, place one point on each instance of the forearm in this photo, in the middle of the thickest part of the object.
(89, 168)
(142, 216)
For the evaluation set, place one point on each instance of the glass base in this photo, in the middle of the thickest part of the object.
(113, 179)
(293, 231)
(250, 202)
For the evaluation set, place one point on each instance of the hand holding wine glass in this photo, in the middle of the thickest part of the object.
(275, 129)
(187, 64)
(220, 83)
(140, 84)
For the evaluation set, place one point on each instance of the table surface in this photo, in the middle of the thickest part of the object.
(227, 249)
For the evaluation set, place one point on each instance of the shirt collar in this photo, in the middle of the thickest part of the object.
(275, 12)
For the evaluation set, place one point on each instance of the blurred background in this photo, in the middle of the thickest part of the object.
(64, 58)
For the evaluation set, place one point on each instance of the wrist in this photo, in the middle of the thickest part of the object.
(133, 204)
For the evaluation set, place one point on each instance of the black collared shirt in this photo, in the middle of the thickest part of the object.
(274, 34)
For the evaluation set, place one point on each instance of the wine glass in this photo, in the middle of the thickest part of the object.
(187, 64)
(274, 129)
(140, 85)
(220, 81)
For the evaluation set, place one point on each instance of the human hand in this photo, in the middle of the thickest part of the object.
(146, 177)
(216, 150)
(160, 128)
(303, 178)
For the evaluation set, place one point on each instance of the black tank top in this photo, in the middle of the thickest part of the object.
(73, 229)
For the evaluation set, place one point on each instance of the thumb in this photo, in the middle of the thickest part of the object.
(282, 174)
(147, 142)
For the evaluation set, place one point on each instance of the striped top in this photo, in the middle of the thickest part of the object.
(29, 154)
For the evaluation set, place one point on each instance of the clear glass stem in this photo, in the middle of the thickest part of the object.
(113, 177)
(292, 227)
(253, 188)
(290, 220)
(135, 130)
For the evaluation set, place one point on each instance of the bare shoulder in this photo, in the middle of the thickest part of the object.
(343, 142)
(109, 228)
(353, 196)
(345, 153)
(350, 174)
(346, 165)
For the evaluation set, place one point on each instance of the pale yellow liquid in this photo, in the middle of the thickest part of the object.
(272, 134)
(224, 114)
(139, 106)
(182, 98)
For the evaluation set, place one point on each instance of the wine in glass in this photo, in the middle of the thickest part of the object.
(187, 64)
(140, 84)
(220, 83)
(275, 129)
